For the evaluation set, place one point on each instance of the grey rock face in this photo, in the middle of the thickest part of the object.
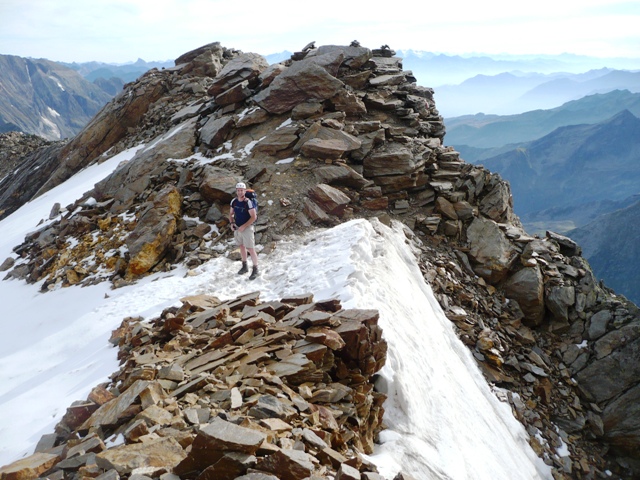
(303, 81)
(527, 287)
(490, 249)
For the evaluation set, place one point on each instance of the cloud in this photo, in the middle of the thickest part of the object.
(120, 31)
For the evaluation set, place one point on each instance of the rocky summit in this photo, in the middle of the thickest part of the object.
(250, 390)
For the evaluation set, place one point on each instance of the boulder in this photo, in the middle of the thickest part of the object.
(497, 202)
(598, 324)
(330, 60)
(330, 200)
(368, 142)
(353, 57)
(280, 140)
(235, 94)
(526, 287)
(306, 110)
(268, 406)
(218, 185)
(348, 102)
(270, 73)
(464, 210)
(215, 131)
(206, 60)
(558, 299)
(313, 211)
(341, 175)
(214, 440)
(323, 139)
(616, 338)
(246, 67)
(382, 100)
(114, 410)
(394, 160)
(161, 453)
(78, 413)
(567, 246)
(492, 252)
(323, 149)
(152, 236)
(29, 468)
(446, 208)
(387, 80)
(229, 467)
(347, 472)
(621, 422)
(301, 82)
(287, 464)
(250, 117)
(604, 379)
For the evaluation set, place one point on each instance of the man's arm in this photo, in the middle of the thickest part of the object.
(231, 216)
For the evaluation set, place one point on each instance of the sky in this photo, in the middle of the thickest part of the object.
(444, 420)
(121, 31)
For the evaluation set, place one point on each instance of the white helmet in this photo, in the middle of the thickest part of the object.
(241, 185)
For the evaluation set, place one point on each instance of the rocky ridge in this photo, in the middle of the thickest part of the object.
(14, 146)
(338, 132)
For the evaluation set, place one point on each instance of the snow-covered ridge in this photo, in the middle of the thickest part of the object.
(439, 404)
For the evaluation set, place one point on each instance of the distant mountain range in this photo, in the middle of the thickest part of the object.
(45, 98)
(435, 70)
(482, 136)
(611, 244)
(55, 100)
(574, 165)
(509, 93)
(126, 72)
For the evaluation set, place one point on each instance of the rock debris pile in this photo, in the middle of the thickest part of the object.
(236, 389)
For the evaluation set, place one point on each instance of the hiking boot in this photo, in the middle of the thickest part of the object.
(244, 268)
(254, 273)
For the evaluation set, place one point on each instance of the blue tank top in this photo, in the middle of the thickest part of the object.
(241, 213)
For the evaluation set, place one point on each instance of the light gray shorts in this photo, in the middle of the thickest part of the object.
(246, 238)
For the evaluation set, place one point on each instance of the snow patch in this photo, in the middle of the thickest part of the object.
(285, 160)
(57, 82)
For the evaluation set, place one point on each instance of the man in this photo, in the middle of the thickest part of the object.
(242, 215)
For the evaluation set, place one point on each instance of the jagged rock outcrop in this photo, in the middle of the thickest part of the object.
(357, 137)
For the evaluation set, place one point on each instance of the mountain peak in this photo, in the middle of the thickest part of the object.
(330, 135)
(624, 116)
